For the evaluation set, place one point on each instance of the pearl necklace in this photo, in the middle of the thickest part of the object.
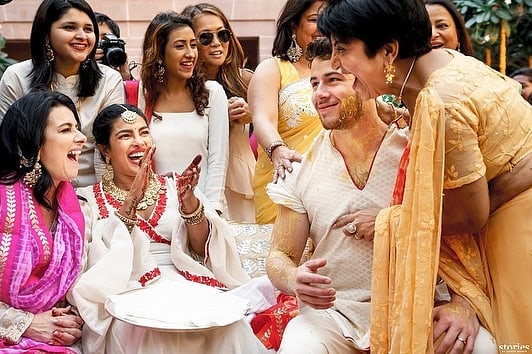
(150, 195)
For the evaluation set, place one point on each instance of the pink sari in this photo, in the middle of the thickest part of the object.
(36, 267)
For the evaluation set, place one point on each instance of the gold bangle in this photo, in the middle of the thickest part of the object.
(273, 145)
(195, 217)
(130, 223)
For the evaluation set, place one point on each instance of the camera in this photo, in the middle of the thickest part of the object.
(114, 50)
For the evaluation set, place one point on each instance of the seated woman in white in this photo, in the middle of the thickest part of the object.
(147, 230)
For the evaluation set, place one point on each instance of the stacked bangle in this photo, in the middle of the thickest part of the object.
(130, 223)
(273, 145)
(195, 217)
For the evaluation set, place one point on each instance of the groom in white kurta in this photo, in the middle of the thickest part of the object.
(351, 167)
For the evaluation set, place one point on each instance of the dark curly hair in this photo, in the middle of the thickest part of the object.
(155, 41)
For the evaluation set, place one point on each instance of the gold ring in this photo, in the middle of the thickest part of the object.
(358, 236)
(350, 228)
(461, 340)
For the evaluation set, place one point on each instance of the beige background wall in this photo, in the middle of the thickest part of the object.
(249, 18)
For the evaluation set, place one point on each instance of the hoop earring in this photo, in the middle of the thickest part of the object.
(31, 177)
(294, 52)
(50, 57)
(160, 71)
(389, 73)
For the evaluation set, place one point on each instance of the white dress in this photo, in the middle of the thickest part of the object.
(156, 251)
(181, 136)
(15, 83)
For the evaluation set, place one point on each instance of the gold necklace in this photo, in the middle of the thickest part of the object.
(400, 98)
(150, 195)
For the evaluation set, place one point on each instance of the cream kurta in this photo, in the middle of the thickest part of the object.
(15, 83)
(181, 136)
(322, 188)
(117, 261)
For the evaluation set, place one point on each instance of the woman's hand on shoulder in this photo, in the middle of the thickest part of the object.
(282, 158)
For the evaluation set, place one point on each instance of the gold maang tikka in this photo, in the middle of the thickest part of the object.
(128, 116)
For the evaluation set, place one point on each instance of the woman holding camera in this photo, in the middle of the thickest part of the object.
(111, 49)
(63, 45)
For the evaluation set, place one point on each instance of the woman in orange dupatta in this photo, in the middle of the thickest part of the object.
(467, 178)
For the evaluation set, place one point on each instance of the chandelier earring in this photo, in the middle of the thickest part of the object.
(294, 52)
(30, 178)
(50, 57)
(160, 71)
(389, 73)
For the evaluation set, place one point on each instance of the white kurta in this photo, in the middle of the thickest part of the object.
(117, 261)
(15, 83)
(321, 187)
(181, 136)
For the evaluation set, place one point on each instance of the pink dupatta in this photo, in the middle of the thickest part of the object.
(36, 267)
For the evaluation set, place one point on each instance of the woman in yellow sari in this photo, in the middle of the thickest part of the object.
(468, 192)
(284, 119)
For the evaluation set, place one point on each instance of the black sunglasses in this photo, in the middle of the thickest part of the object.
(224, 35)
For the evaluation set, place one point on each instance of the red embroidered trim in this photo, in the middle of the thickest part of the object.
(98, 195)
(154, 273)
(147, 227)
(152, 234)
(202, 279)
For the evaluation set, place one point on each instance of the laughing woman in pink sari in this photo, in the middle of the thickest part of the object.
(41, 224)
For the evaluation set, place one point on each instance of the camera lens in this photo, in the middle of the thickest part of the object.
(115, 56)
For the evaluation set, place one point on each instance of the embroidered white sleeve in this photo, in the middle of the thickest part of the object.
(13, 323)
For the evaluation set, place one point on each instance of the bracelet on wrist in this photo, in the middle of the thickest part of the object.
(273, 145)
(195, 217)
(130, 223)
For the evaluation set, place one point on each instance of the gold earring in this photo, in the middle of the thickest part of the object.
(31, 178)
(389, 73)
(108, 173)
(294, 52)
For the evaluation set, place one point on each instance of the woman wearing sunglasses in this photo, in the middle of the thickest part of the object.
(222, 59)
(187, 115)
(284, 119)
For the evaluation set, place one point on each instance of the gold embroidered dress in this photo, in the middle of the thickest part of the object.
(298, 125)
(469, 121)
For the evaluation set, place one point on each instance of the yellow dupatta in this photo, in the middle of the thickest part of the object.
(407, 242)
(408, 251)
